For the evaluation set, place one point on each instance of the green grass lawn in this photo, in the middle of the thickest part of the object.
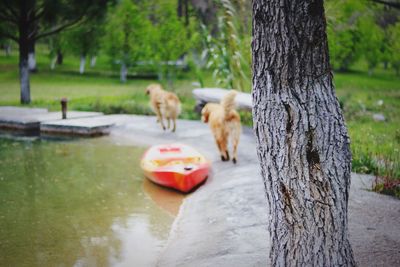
(375, 144)
(98, 89)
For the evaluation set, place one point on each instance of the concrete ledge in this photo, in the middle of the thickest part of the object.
(10, 110)
(90, 126)
(20, 118)
(75, 130)
(214, 95)
(19, 123)
(29, 119)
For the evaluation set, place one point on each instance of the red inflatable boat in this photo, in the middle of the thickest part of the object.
(176, 166)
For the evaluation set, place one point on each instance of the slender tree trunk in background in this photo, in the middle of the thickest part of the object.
(23, 54)
(207, 10)
(302, 141)
(60, 57)
(385, 64)
(82, 64)
(93, 60)
(124, 72)
(7, 49)
(24, 73)
(53, 63)
(186, 2)
(183, 10)
(31, 57)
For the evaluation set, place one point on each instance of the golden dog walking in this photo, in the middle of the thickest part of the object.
(224, 122)
(164, 104)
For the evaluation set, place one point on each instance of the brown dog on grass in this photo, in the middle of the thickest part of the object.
(224, 123)
(164, 104)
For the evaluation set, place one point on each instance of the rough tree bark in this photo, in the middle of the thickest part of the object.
(303, 145)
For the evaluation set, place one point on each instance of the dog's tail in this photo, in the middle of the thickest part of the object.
(228, 102)
(175, 105)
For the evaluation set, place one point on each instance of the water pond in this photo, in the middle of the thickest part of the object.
(79, 203)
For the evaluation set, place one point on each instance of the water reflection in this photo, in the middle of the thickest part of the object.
(167, 199)
(76, 203)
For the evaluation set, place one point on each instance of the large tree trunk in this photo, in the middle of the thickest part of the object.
(303, 145)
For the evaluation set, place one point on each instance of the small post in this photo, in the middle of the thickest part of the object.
(64, 102)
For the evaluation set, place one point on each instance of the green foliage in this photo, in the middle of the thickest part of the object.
(343, 35)
(56, 43)
(374, 144)
(84, 40)
(126, 34)
(147, 36)
(371, 40)
(118, 105)
(394, 41)
(171, 39)
(356, 29)
(227, 55)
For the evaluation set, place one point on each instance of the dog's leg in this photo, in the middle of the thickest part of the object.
(159, 116)
(168, 123)
(174, 122)
(225, 144)
(219, 149)
(222, 149)
(162, 122)
(235, 142)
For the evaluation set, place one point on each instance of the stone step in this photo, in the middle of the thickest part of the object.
(11, 110)
(30, 118)
(89, 126)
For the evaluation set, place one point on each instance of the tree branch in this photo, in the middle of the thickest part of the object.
(9, 7)
(64, 26)
(4, 17)
(388, 3)
(38, 13)
(57, 29)
(9, 36)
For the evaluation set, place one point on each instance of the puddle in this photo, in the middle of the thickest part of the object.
(167, 199)
(79, 202)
